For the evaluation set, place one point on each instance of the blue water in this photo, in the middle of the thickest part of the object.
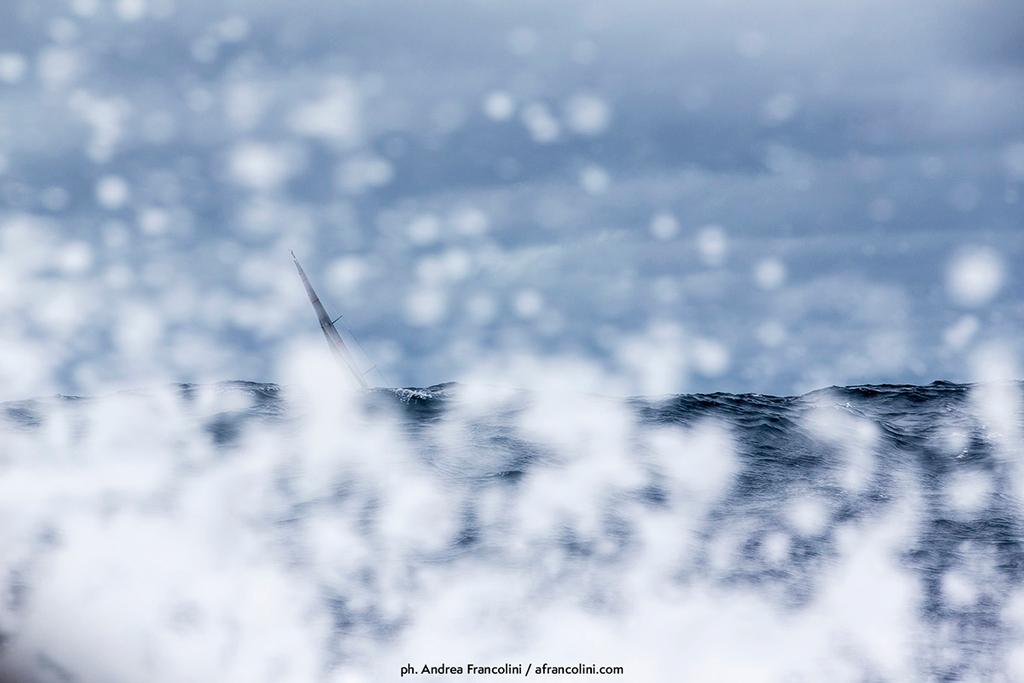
(910, 457)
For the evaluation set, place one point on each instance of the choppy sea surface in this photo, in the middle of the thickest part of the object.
(249, 531)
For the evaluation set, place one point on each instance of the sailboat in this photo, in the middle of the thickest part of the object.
(337, 345)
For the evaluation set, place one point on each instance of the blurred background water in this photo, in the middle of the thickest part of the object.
(776, 197)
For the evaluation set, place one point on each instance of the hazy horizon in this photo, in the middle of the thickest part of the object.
(779, 197)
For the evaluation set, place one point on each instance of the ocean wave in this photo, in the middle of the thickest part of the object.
(887, 514)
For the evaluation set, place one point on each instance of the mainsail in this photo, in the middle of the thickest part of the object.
(334, 340)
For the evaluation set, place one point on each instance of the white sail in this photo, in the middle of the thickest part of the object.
(334, 340)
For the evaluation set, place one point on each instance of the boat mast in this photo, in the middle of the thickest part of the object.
(334, 340)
